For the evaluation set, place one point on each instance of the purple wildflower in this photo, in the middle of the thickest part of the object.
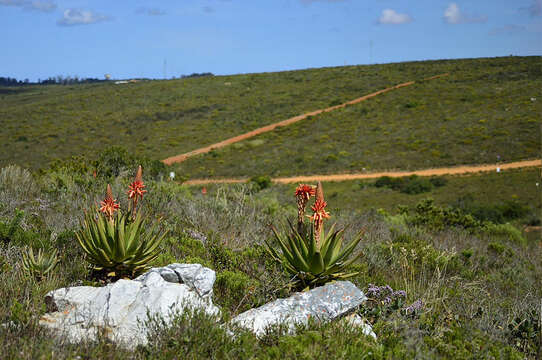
(414, 307)
(373, 291)
(387, 300)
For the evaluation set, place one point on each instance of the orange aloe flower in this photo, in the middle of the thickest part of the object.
(304, 191)
(135, 189)
(108, 206)
(320, 212)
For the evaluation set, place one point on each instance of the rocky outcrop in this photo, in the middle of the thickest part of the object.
(324, 303)
(120, 311)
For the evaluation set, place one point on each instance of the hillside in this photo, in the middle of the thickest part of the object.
(450, 264)
(158, 119)
(486, 111)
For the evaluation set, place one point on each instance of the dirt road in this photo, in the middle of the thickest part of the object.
(458, 170)
(203, 150)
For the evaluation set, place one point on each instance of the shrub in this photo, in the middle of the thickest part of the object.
(411, 184)
(496, 213)
(428, 214)
(234, 290)
(260, 182)
(116, 243)
(507, 230)
(12, 232)
(40, 265)
(17, 188)
(312, 256)
(115, 160)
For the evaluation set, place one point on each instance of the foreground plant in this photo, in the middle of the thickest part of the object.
(312, 256)
(120, 244)
(40, 265)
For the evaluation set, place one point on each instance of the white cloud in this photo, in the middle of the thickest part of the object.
(390, 16)
(453, 15)
(80, 17)
(38, 5)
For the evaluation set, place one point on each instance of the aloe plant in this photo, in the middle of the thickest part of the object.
(41, 264)
(310, 255)
(309, 264)
(121, 244)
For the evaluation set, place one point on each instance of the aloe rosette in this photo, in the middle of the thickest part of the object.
(119, 244)
(312, 256)
(311, 265)
(41, 264)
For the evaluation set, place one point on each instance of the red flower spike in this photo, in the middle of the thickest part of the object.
(108, 206)
(136, 188)
(319, 211)
(305, 191)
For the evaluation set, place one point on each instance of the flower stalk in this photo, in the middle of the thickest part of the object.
(303, 193)
(320, 213)
(136, 190)
(108, 206)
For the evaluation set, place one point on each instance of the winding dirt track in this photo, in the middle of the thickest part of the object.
(458, 170)
(271, 127)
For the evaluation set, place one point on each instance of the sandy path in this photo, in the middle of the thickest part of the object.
(457, 170)
(271, 127)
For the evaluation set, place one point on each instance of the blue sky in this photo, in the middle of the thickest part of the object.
(89, 38)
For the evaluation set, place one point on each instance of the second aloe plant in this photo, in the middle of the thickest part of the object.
(312, 256)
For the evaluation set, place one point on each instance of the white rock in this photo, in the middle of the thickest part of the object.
(355, 320)
(120, 310)
(323, 303)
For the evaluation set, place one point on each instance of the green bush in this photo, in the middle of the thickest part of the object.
(498, 213)
(235, 290)
(506, 230)
(260, 182)
(428, 214)
(12, 232)
(410, 184)
(115, 160)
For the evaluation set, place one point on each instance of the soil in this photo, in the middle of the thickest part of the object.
(457, 170)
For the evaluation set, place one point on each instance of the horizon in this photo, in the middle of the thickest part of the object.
(228, 37)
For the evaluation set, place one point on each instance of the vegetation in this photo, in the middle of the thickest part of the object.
(120, 244)
(485, 111)
(447, 263)
(457, 292)
(40, 265)
(311, 256)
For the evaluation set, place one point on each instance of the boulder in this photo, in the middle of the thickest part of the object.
(120, 310)
(324, 303)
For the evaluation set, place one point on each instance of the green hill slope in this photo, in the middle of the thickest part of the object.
(163, 118)
(487, 109)
(485, 102)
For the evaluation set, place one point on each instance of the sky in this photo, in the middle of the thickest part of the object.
(153, 39)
